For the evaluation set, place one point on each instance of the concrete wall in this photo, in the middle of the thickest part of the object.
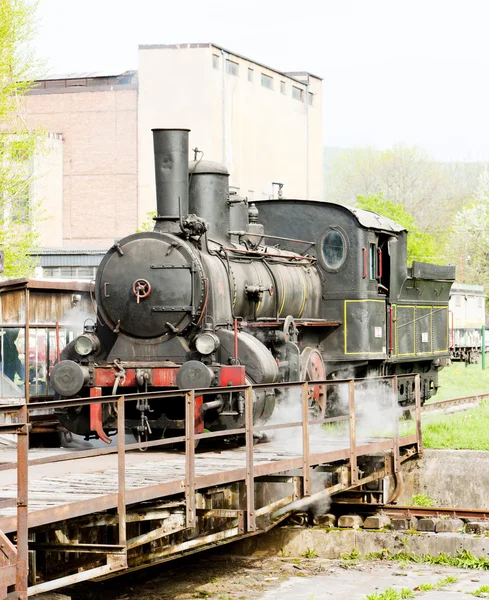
(262, 135)
(99, 168)
(456, 478)
(47, 190)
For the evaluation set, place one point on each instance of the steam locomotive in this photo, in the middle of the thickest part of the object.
(225, 292)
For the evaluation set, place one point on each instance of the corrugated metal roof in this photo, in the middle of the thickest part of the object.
(85, 75)
(44, 284)
(69, 250)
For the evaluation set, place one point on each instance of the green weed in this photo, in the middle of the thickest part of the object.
(391, 594)
(422, 500)
(446, 581)
(464, 559)
(426, 587)
(310, 553)
(354, 555)
(482, 592)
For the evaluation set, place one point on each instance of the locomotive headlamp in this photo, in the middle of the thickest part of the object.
(207, 343)
(86, 344)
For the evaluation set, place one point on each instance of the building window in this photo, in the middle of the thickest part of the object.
(69, 272)
(310, 98)
(283, 87)
(21, 208)
(215, 61)
(250, 74)
(232, 68)
(297, 93)
(267, 81)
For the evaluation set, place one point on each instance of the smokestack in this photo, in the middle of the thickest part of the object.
(171, 170)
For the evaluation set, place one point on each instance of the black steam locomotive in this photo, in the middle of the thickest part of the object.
(224, 293)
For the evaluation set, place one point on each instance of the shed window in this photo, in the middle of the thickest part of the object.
(215, 61)
(250, 74)
(334, 249)
(283, 87)
(267, 81)
(310, 98)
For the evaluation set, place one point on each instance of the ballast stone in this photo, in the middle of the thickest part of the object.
(404, 523)
(327, 520)
(427, 524)
(351, 521)
(376, 522)
(449, 525)
(477, 527)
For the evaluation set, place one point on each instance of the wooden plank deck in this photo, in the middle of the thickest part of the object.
(60, 490)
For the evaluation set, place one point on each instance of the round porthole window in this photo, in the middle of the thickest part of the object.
(334, 249)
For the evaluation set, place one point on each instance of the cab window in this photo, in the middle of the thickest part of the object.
(373, 261)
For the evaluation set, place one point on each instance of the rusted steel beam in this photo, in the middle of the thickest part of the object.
(437, 511)
(395, 417)
(220, 513)
(84, 548)
(250, 472)
(353, 435)
(21, 582)
(151, 536)
(190, 458)
(67, 403)
(306, 458)
(121, 470)
(417, 399)
(114, 565)
(273, 506)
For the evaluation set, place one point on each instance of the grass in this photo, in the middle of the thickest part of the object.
(391, 594)
(482, 592)
(459, 431)
(464, 559)
(459, 380)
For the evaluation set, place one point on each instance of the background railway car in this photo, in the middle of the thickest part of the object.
(468, 316)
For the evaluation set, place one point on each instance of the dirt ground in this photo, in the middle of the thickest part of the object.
(212, 575)
(216, 576)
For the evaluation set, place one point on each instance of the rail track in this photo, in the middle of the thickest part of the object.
(435, 511)
(462, 401)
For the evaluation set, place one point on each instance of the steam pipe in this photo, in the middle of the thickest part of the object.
(171, 172)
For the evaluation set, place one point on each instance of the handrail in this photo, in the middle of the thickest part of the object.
(190, 484)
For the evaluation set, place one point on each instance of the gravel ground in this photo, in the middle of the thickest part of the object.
(215, 576)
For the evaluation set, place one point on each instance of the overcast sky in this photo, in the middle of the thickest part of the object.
(412, 71)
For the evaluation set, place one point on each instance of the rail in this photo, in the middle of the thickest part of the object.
(441, 404)
(14, 568)
(436, 511)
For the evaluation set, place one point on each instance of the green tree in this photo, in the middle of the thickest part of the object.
(408, 176)
(421, 246)
(469, 240)
(18, 143)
